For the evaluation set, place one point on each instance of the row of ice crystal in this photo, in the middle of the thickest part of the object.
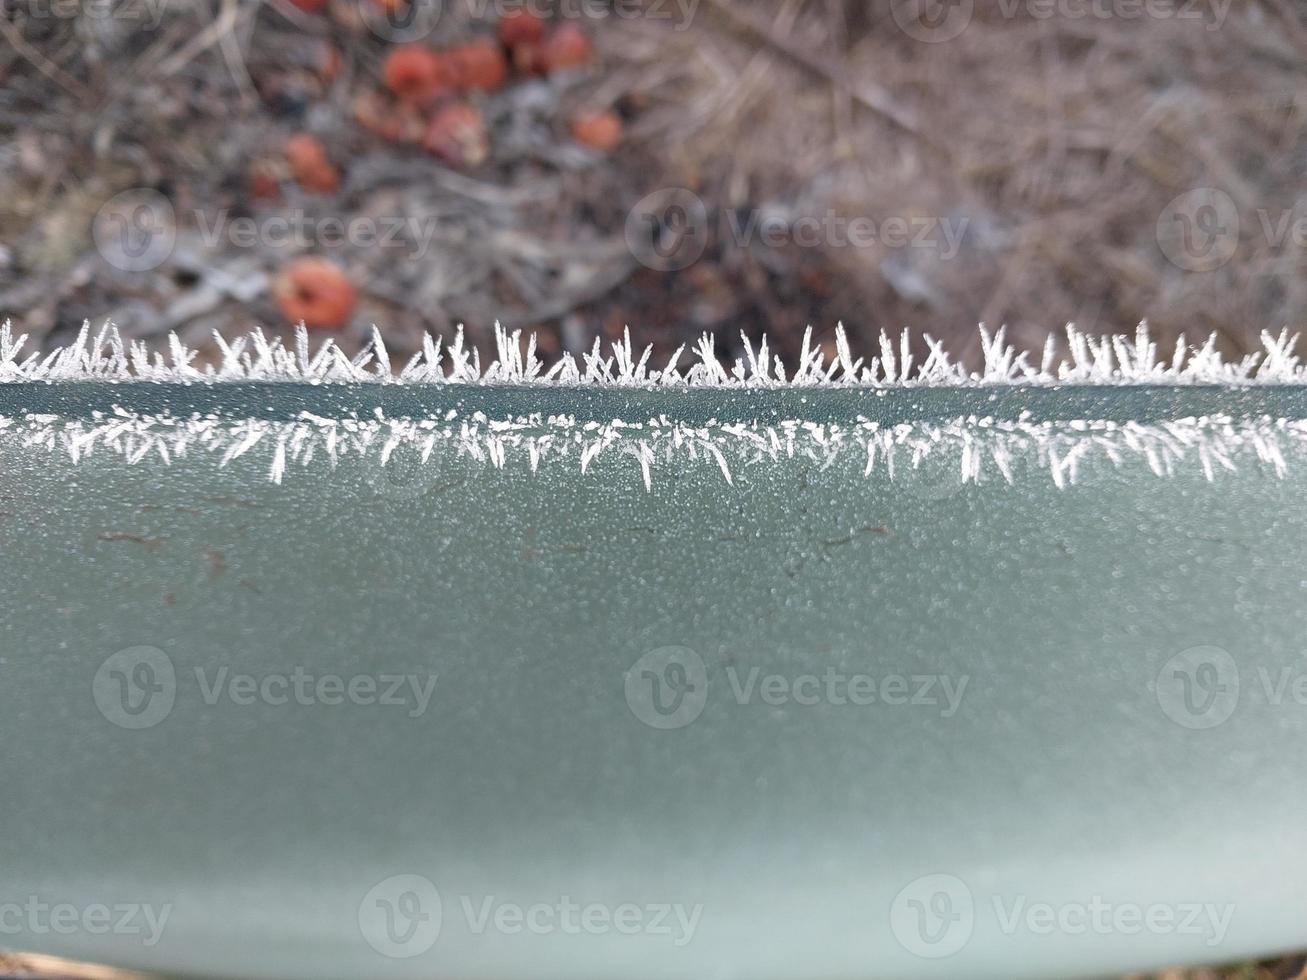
(971, 449)
(1118, 360)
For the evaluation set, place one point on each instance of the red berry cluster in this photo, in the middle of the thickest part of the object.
(423, 99)
(427, 87)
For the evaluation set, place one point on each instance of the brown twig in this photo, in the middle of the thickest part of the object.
(1291, 21)
(208, 37)
(865, 93)
(43, 64)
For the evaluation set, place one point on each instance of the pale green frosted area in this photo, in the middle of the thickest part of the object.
(1058, 778)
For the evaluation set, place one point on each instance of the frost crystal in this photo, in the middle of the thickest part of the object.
(976, 446)
(1110, 360)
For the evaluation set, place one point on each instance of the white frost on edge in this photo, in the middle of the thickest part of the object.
(974, 448)
(1115, 360)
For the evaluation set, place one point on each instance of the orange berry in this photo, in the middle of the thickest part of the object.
(316, 292)
(529, 58)
(323, 179)
(329, 61)
(520, 27)
(457, 134)
(303, 150)
(415, 74)
(263, 180)
(477, 65)
(600, 130)
(567, 47)
(309, 164)
(374, 113)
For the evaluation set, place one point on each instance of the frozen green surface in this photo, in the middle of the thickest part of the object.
(1065, 771)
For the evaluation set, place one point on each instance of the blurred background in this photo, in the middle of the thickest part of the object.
(572, 167)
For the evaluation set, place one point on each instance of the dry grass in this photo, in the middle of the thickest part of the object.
(1058, 141)
(1061, 141)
